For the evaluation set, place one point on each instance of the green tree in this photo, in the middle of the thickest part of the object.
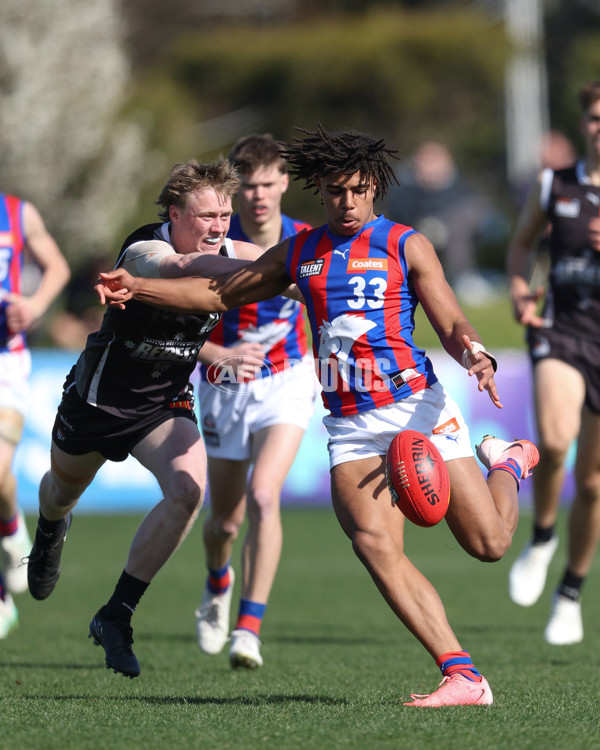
(63, 142)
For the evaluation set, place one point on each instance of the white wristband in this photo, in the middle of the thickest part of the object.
(475, 348)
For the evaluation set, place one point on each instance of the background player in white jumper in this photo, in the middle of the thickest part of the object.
(253, 424)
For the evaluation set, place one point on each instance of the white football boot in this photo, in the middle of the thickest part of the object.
(245, 650)
(527, 576)
(565, 625)
(14, 549)
(212, 619)
(9, 617)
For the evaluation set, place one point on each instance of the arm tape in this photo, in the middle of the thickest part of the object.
(475, 348)
(143, 259)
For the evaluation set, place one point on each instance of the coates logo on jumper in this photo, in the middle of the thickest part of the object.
(362, 265)
(233, 374)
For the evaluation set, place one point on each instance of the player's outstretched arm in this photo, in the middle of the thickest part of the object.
(261, 279)
(190, 294)
(199, 264)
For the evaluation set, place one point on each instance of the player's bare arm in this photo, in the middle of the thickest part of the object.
(157, 259)
(520, 256)
(456, 334)
(245, 352)
(255, 281)
(189, 294)
(266, 277)
(22, 312)
(249, 251)
(594, 233)
(238, 356)
(198, 264)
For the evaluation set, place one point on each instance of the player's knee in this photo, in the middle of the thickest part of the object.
(186, 492)
(58, 494)
(489, 549)
(370, 545)
(588, 489)
(8, 483)
(263, 501)
(553, 454)
(225, 528)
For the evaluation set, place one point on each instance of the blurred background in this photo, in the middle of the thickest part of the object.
(99, 100)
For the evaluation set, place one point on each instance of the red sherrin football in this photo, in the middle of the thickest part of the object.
(418, 478)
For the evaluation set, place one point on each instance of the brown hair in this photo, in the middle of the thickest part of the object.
(254, 151)
(589, 94)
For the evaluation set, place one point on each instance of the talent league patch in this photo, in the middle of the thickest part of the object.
(362, 265)
(310, 268)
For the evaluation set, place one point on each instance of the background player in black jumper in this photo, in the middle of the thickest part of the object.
(564, 345)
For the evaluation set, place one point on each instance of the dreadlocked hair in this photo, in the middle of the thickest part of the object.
(323, 153)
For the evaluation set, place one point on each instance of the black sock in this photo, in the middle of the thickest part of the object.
(50, 528)
(542, 534)
(570, 586)
(128, 592)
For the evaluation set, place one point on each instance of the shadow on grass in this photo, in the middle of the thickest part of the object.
(41, 665)
(326, 640)
(314, 640)
(516, 629)
(258, 700)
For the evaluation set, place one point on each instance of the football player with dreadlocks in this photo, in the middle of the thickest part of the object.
(362, 277)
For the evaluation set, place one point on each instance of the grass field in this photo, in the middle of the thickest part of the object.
(337, 663)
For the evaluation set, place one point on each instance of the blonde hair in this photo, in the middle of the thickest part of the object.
(191, 177)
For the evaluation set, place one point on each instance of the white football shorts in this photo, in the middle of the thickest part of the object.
(15, 369)
(229, 419)
(431, 411)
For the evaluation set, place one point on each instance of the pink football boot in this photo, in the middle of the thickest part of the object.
(456, 691)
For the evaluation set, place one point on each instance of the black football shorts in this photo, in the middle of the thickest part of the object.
(80, 428)
(581, 354)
